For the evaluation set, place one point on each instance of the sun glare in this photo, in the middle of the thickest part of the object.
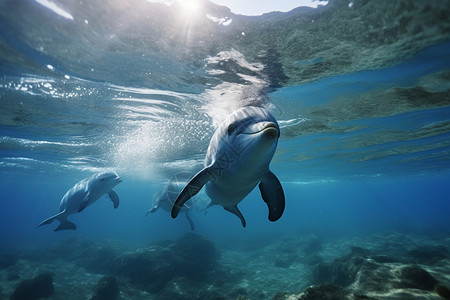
(190, 6)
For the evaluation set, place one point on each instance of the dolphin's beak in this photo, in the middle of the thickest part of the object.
(270, 131)
(118, 179)
(268, 128)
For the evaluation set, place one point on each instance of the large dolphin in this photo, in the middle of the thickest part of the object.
(83, 194)
(237, 159)
(165, 198)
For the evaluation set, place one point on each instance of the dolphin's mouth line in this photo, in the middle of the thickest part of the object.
(268, 126)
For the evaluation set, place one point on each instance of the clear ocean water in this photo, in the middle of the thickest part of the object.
(361, 90)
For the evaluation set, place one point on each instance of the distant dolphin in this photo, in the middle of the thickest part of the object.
(165, 198)
(237, 159)
(83, 194)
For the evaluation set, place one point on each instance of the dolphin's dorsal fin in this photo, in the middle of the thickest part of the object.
(272, 193)
(235, 210)
(192, 188)
(84, 202)
(114, 198)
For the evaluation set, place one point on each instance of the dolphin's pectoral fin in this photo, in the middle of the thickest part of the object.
(50, 220)
(84, 203)
(272, 193)
(66, 225)
(190, 221)
(192, 188)
(152, 210)
(235, 210)
(114, 198)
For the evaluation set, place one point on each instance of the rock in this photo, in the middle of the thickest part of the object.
(374, 277)
(325, 292)
(192, 256)
(442, 291)
(96, 256)
(39, 287)
(428, 255)
(8, 260)
(360, 268)
(417, 278)
(282, 296)
(106, 289)
(100, 260)
(321, 273)
(343, 270)
(384, 259)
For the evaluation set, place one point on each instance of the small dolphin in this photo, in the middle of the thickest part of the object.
(83, 194)
(237, 159)
(165, 198)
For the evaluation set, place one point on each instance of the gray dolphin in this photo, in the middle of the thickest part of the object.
(83, 194)
(237, 159)
(165, 198)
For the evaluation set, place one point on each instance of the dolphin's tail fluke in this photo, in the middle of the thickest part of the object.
(66, 225)
(50, 220)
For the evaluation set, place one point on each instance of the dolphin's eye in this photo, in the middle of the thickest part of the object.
(231, 129)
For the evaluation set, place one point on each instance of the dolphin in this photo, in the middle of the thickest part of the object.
(83, 194)
(238, 159)
(166, 197)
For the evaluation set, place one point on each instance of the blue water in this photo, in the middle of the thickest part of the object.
(364, 146)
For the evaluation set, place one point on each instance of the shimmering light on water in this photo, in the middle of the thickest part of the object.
(55, 8)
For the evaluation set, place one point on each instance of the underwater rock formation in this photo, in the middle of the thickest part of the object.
(362, 272)
(377, 267)
(106, 289)
(323, 292)
(192, 256)
(343, 270)
(428, 254)
(442, 291)
(370, 273)
(416, 278)
(39, 287)
(95, 256)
